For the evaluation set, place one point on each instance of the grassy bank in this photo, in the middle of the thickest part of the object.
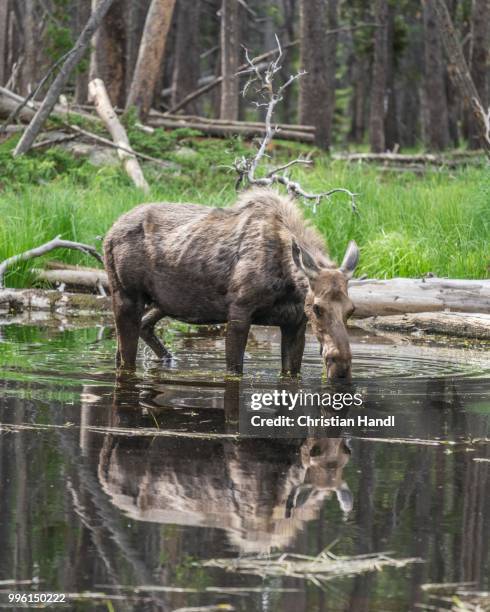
(408, 225)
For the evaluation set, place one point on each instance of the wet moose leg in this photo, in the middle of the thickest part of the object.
(236, 340)
(147, 333)
(127, 315)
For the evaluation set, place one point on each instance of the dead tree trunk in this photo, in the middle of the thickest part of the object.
(480, 36)
(378, 84)
(185, 78)
(374, 297)
(98, 94)
(332, 38)
(459, 324)
(81, 84)
(459, 70)
(107, 61)
(4, 26)
(31, 50)
(230, 51)
(391, 119)
(135, 15)
(318, 60)
(150, 56)
(60, 81)
(437, 125)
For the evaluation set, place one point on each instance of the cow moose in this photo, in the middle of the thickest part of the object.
(256, 262)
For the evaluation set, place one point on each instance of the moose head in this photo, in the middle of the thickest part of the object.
(328, 307)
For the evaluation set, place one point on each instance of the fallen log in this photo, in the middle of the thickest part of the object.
(401, 158)
(103, 106)
(371, 297)
(90, 278)
(15, 301)
(401, 295)
(215, 129)
(458, 324)
(8, 106)
(31, 106)
(212, 121)
(109, 143)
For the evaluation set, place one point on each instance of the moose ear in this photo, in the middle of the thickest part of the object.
(305, 262)
(351, 259)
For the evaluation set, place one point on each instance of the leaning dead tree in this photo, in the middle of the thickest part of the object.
(99, 96)
(72, 59)
(460, 73)
(246, 167)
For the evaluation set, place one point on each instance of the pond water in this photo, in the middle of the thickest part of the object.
(120, 491)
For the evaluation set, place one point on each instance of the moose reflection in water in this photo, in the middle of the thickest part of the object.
(261, 492)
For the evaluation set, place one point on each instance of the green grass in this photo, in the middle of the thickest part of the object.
(407, 225)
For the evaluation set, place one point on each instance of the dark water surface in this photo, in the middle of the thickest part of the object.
(97, 497)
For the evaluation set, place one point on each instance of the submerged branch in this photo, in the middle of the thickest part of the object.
(320, 569)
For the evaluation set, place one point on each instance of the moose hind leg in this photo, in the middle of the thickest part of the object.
(127, 314)
(147, 333)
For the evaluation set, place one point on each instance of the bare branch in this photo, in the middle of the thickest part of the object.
(14, 114)
(56, 243)
(109, 143)
(246, 168)
(306, 162)
(51, 142)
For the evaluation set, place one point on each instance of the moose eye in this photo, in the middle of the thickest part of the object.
(318, 310)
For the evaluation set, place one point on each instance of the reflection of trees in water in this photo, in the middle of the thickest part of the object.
(414, 500)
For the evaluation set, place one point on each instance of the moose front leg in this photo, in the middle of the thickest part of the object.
(292, 348)
(236, 341)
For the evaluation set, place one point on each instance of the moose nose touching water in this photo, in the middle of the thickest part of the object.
(258, 262)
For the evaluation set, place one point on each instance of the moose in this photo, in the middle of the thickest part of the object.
(258, 262)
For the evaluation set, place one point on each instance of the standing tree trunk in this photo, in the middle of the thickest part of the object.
(150, 56)
(316, 95)
(288, 105)
(29, 73)
(332, 24)
(61, 79)
(378, 85)
(4, 27)
(459, 70)
(437, 124)
(230, 51)
(480, 36)
(391, 118)
(107, 61)
(185, 77)
(81, 84)
(135, 15)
